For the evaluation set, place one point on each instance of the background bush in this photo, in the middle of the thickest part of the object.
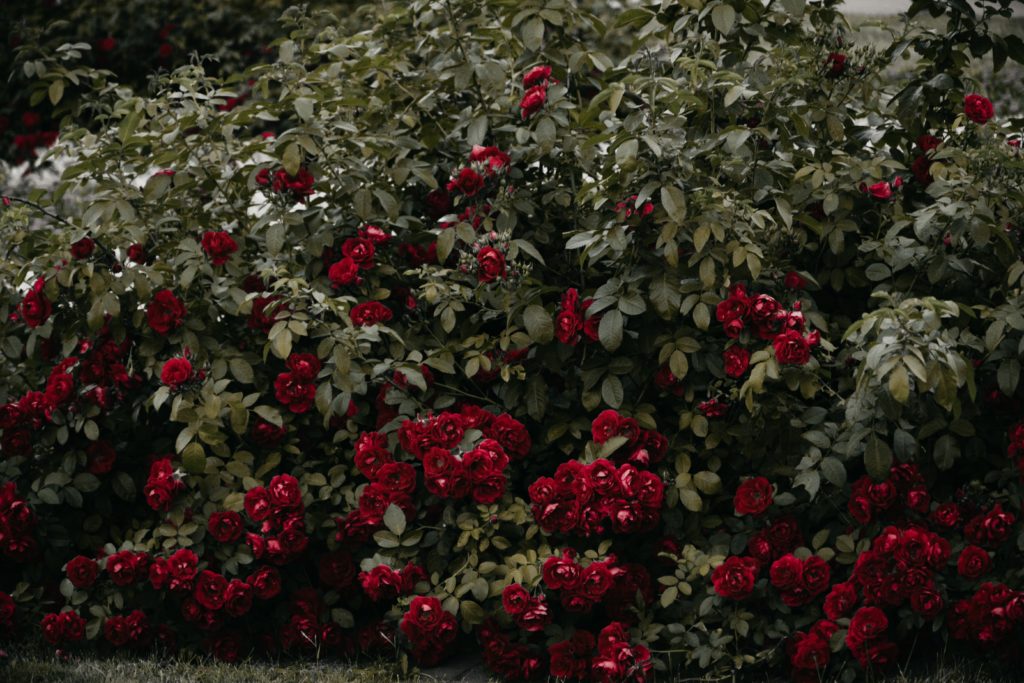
(614, 340)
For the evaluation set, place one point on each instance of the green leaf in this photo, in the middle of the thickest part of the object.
(56, 91)
(609, 330)
(899, 384)
(445, 244)
(947, 450)
(193, 458)
(723, 16)
(833, 470)
(241, 370)
(674, 201)
(539, 324)
(611, 391)
(877, 457)
(304, 108)
(394, 519)
(533, 34)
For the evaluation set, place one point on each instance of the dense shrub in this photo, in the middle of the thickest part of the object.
(610, 340)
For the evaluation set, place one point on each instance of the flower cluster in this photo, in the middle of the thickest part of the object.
(761, 315)
(535, 84)
(903, 489)
(162, 485)
(588, 499)
(299, 186)
(993, 615)
(571, 321)
(280, 512)
(17, 523)
(642, 447)
(296, 388)
(486, 164)
(429, 628)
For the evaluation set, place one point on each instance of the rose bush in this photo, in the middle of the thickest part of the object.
(611, 341)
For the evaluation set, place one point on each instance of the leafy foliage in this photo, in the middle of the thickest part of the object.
(613, 340)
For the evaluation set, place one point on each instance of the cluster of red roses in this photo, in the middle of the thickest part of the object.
(571, 321)
(643, 447)
(586, 499)
(429, 628)
(165, 312)
(628, 208)
(735, 578)
(32, 138)
(799, 581)
(993, 615)
(602, 582)
(219, 246)
(99, 368)
(296, 388)
(535, 84)
(384, 584)
(904, 487)
(506, 658)
(357, 254)
(765, 317)
(162, 484)
(485, 163)
(63, 627)
(279, 511)
(528, 612)
(615, 660)
(299, 186)
(17, 522)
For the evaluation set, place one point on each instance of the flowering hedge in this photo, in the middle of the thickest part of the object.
(610, 342)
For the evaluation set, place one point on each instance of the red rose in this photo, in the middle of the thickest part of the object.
(490, 264)
(809, 652)
(73, 626)
(815, 576)
(219, 246)
(257, 503)
(753, 496)
(978, 109)
(427, 620)
(786, 572)
(535, 617)
(82, 571)
(562, 572)
(225, 526)
(836, 64)
(533, 99)
(840, 600)
(536, 76)
(737, 360)
(265, 311)
(53, 628)
(266, 434)
(867, 624)
(791, 348)
(605, 426)
(361, 250)
(468, 181)
(266, 582)
(210, 590)
(122, 568)
(284, 492)
(293, 392)
(305, 366)
(370, 313)
(734, 578)
(511, 434)
(165, 312)
(137, 253)
(974, 562)
(438, 203)
(793, 280)
(514, 599)
(176, 372)
(382, 583)
(927, 602)
(238, 598)
(101, 457)
(35, 308)
(83, 248)
(344, 272)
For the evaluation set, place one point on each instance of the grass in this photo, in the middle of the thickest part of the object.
(40, 667)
